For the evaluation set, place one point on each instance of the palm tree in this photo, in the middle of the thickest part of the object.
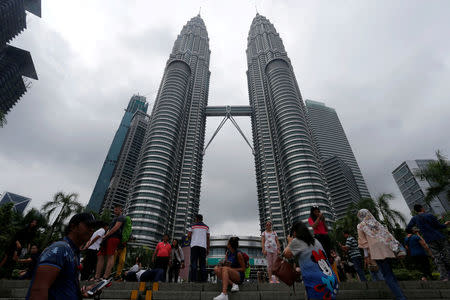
(350, 221)
(390, 216)
(437, 173)
(68, 204)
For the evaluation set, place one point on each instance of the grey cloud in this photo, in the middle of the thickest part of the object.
(382, 65)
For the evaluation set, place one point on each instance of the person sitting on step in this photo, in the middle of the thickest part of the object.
(233, 271)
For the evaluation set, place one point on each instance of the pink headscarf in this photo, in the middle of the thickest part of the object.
(370, 226)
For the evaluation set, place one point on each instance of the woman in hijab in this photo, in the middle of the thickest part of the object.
(380, 245)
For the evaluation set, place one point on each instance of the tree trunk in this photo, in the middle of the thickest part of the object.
(49, 237)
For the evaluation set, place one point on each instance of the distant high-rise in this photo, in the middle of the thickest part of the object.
(414, 189)
(288, 175)
(14, 62)
(122, 177)
(20, 202)
(166, 191)
(331, 140)
(342, 185)
(98, 195)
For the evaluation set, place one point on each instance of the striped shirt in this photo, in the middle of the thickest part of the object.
(353, 250)
(200, 231)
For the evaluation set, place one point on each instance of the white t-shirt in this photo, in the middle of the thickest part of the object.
(199, 233)
(134, 268)
(96, 246)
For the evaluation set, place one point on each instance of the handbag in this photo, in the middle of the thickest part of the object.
(284, 271)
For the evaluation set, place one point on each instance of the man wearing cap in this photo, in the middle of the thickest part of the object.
(58, 268)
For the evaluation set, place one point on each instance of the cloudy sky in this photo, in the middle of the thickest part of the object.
(383, 65)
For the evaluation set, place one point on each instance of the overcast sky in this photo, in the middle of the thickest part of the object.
(383, 65)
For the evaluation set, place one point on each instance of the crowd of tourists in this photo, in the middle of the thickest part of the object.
(57, 271)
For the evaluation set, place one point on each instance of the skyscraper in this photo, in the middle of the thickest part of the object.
(414, 189)
(330, 139)
(166, 191)
(14, 62)
(98, 195)
(122, 177)
(20, 202)
(341, 184)
(288, 175)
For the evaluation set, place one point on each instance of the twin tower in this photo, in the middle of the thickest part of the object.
(166, 191)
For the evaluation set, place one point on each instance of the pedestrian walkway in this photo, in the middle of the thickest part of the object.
(431, 290)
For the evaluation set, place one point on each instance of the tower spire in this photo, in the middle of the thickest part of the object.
(199, 11)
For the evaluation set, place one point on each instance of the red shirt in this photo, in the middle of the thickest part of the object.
(320, 229)
(163, 249)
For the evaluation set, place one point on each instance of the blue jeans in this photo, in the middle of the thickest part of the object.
(358, 265)
(376, 276)
(389, 278)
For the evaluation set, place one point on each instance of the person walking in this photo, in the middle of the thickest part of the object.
(161, 256)
(270, 248)
(199, 235)
(430, 228)
(380, 245)
(176, 261)
(233, 272)
(91, 249)
(111, 241)
(418, 250)
(351, 247)
(317, 221)
(57, 273)
(319, 279)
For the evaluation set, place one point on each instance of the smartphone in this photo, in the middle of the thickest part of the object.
(101, 285)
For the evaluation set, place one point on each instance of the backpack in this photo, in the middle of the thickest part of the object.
(126, 230)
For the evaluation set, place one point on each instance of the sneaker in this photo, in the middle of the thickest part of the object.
(235, 288)
(222, 296)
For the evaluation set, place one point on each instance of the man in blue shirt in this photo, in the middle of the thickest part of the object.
(58, 268)
(430, 229)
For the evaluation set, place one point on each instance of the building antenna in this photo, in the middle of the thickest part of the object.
(256, 7)
(199, 11)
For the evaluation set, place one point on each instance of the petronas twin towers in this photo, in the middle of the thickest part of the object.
(166, 189)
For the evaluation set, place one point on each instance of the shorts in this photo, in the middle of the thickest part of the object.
(271, 258)
(110, 247)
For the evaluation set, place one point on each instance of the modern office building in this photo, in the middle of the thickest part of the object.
(288, 175)
(137, 103)
(122, 177)
(166, 192)
(14, 62)
(414, 189)
(341, 184)
(331, 140)
(20, 202)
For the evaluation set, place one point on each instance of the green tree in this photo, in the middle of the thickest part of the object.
(390, 216)
(2, 119)
(7, 224)
(67, 205)
(437, 173)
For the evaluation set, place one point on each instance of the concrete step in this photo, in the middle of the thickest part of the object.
(15, 289)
